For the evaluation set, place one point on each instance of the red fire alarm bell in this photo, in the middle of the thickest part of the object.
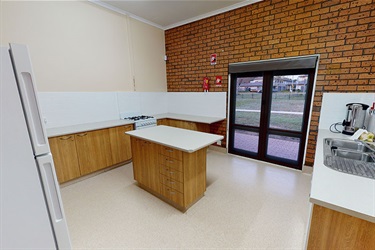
(218, 80)
(205, 84)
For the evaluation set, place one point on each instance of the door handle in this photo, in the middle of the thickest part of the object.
(65, 137)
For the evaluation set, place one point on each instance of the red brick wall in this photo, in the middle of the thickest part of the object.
(341, 31)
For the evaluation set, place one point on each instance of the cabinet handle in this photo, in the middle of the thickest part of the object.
(169, 150)
(168, 180)
(171, 172)
(169, 191)
(169, 161)
(83, 134)
(65, 137)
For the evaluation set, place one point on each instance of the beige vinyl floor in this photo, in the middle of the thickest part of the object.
(247, 205)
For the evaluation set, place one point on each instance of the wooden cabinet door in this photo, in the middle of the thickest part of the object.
(94, 150)
(138, 165)
(153, 166)
(65, 157)
(163, 121)
(120, 143)
(145, 163)
(196, 126)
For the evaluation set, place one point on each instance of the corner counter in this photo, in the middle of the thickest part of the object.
(342, 214)
(190, 118)
(346, 193)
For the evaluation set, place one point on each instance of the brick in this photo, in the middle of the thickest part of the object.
(347, 88)
(344, 38)
(343, 48)
(368, 88)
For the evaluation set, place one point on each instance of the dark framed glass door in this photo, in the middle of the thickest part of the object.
(269, 114)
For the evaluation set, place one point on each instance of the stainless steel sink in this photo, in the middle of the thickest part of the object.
(352, 157)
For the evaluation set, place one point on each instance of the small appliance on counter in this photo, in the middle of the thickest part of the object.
(355, 118)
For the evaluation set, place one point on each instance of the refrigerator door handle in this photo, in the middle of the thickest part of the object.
(28, 92)
(54, 203)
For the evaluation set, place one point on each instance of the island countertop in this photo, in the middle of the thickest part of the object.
(181, 139)
(346, 193)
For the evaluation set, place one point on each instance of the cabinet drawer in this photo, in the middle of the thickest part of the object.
(172, 173)
(172, 194)
(170, 162)
(172, 183)
(171, 152)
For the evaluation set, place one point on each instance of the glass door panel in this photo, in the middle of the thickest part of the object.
(248, 101)
(283, 147)
(246, 140)
(288, 102)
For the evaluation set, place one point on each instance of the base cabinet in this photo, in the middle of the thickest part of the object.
(65, 157)
(94, 150)
(145, 164)
(196, 126)
(330, 229)
(83, 153)
(175, 176)
(120, 143)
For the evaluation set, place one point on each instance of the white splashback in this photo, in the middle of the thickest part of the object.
(129, 102)
(198, 103)
(153, 103)
(334, 106)
(71, 108)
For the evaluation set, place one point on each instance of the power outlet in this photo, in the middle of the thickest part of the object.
(218, 143)
(45, 120)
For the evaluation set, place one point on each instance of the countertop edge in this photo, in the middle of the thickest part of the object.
(73, 129)
(175, 147)
(190, 118)
(78, 128)
(161, 130)
(343, 210)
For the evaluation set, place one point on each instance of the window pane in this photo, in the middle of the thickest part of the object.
(288, 101)
(246, 140)
(283, 147)
(248, 101)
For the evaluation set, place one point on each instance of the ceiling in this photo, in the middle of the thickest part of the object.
(171, 13)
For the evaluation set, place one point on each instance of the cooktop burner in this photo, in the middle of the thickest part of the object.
(139, 118)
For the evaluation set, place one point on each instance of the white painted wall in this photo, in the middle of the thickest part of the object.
(79, 46)
(148, 57)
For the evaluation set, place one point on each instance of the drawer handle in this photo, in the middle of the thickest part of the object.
(83, 134)
(171, 182)
(169, 150)
(171, 172)
(169, 161)
(65, 137)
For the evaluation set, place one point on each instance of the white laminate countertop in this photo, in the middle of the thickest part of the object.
(51, 132)
(190, 118)
(346, 193)
(178, 138)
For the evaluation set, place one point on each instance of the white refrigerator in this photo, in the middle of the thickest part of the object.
(31, 211)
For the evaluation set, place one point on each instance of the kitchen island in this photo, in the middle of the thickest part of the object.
(170, 163)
